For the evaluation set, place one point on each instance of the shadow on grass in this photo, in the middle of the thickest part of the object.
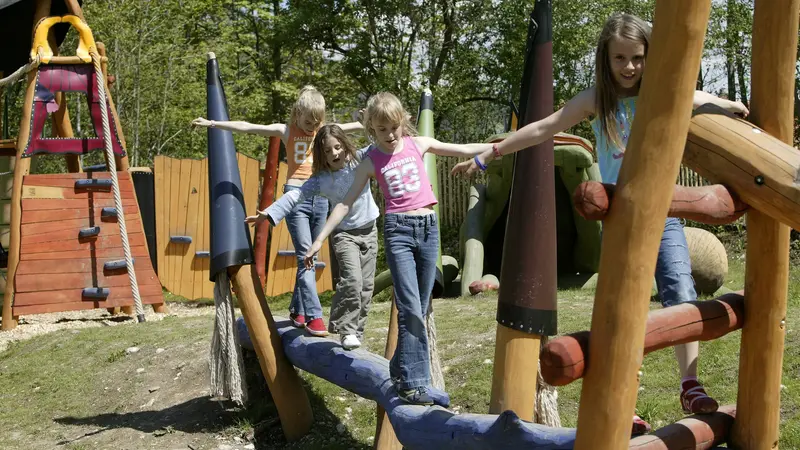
(209, 416)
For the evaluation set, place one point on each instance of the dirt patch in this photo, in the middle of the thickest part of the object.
(154, 397)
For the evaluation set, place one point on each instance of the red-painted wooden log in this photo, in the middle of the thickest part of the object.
(565, 359)
(713, 205)
(698, 432)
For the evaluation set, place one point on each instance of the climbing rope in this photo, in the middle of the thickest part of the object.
(112, 169)
(19, 73)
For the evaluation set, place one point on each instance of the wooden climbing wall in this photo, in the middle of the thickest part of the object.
(56, 263)
(181, 191)
(282, 268)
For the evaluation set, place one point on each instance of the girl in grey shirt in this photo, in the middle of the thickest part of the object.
(355, 241)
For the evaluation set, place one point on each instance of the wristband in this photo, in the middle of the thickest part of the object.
(496, 152)
(478, 162)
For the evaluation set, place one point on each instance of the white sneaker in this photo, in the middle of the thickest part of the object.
(350, 341)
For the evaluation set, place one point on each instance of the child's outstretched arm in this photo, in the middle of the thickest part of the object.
(701, 98)
(578, 108)
(428, 144)
(363, 172)
(286, 204)
(275, 129)
(351, 127)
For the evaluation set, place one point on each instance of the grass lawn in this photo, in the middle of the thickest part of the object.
(79, 390)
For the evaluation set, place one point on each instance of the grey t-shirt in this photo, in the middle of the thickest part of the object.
(333, 186)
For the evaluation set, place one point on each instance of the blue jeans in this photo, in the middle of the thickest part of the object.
(673, 267)
(305, 223)
(412, 249)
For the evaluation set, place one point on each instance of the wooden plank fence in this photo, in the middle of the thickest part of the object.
(181, 187)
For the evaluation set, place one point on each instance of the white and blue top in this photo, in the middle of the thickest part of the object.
(609, 154)
(332, 185)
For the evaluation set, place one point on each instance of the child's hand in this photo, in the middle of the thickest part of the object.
(255, 220)
(201, 122)
(469, 167)
(738, 108)
(310, 254)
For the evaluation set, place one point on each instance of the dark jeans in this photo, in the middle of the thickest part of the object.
(412, 249)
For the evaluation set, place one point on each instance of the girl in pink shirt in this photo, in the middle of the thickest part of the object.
(411, 236)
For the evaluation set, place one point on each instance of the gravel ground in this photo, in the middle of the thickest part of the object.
(35, 325)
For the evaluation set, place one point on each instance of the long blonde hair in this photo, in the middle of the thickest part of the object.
(385, 106)
(309, 101)
(320, 160)
(621, 26)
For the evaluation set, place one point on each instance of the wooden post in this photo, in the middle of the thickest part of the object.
(267, 195)
(775, 25)
(22, 168)
(634, 226)
(527, 304)
(385, 437)
(283, 381)
(472, 267)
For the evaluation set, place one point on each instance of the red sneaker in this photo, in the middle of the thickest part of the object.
(694, 399)
(640, 426)
(298, 320)
(317, 327)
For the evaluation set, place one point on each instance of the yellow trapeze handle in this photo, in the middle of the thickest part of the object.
(42, 48)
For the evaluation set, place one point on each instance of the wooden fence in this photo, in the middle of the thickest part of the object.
(181, 191)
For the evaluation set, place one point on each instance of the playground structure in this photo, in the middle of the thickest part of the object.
(755, 163)
(68, 231)
(483, 230)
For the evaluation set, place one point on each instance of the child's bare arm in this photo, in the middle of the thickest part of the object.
(275, 129)
(701, 98)
(427, 144)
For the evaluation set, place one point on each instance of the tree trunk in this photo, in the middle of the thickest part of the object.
(277, 68)
(740, 70)
(730, 45)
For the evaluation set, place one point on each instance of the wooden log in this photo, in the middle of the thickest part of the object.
(713, 205)
(566, 358)
(750, 161)
(385, 437)
(382, 281)
(283, 381)
(473, 238)
(267, 195)
(21, 169)
(527, 305)
(514, 367)
(633, 228)
(417, 427)
(698, 432)
(775, 26)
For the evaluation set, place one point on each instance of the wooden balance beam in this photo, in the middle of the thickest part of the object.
(713, 205)
(565, 359)
(698, 432)
(417, 427)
